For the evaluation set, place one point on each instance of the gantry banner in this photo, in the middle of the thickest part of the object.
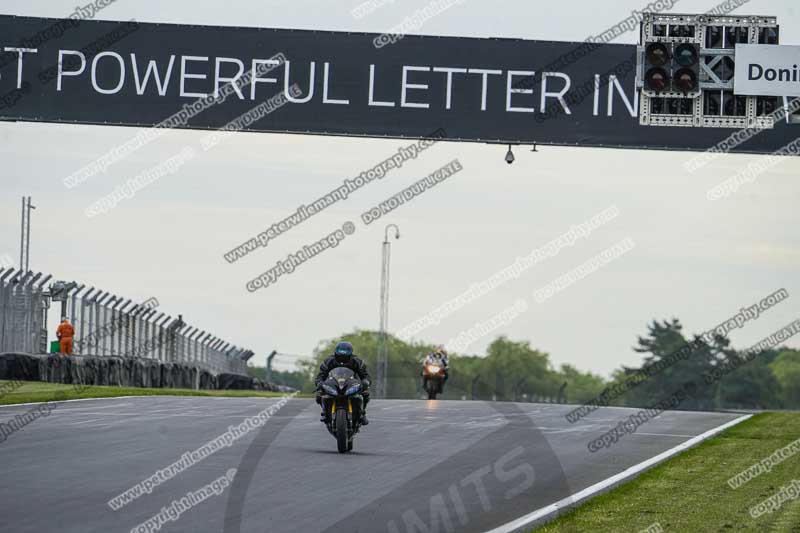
(334, 83)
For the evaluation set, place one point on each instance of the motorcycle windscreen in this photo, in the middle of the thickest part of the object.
(341, 375)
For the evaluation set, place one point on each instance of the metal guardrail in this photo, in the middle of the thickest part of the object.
(106, 325)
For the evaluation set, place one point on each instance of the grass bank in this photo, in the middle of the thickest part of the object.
(691, 491)
(35, 391)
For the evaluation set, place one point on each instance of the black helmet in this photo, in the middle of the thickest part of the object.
(343, 352)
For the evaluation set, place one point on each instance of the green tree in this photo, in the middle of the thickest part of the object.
(664, 339)
(751, 386)
(514, 368)
(786, 368)
(581, 386)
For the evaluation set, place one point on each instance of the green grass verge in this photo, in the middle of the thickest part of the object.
(35, 391)
(691, 493)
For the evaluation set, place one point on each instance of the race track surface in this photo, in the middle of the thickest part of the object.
(419, 466)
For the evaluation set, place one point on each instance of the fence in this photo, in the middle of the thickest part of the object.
(23, 308)
(106, 325)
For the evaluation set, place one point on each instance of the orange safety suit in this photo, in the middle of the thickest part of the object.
(65, 333)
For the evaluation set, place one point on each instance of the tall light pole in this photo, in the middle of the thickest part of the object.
(383, 345)
(25, 236)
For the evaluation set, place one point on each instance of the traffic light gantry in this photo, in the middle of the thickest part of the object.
(686, 65)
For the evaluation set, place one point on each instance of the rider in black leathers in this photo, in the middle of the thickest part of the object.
(343, 356)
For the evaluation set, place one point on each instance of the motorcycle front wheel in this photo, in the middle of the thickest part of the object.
(341, 431)
(431, 390)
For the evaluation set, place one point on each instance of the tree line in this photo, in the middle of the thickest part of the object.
(724, 378)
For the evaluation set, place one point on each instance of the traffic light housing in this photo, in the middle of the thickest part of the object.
(686, 68)
(672, 67)
(657, 56)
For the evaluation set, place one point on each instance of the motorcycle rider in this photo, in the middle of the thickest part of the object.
(438, 357)
(343, 357)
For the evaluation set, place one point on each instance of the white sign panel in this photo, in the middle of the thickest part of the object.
(767, 70)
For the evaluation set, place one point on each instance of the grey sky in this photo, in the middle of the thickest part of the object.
(696, 260)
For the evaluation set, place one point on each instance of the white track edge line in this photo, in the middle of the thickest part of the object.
(142, 396)
(74, 400)
(588, 492)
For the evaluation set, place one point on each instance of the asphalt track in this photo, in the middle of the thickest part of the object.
(419, 466)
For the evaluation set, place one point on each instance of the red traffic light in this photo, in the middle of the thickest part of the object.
(656, 79)
(657, 54)
(685, 80)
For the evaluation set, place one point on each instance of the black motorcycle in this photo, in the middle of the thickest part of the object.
(343, 403)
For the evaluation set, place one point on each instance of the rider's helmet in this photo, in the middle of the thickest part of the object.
(440, 351)
(343, 352)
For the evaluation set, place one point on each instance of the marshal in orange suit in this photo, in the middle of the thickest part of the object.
(65, 332)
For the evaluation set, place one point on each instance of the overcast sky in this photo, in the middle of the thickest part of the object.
(697, 260)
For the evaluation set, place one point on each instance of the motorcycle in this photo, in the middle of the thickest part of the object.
(342, 402)
(432, 379)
